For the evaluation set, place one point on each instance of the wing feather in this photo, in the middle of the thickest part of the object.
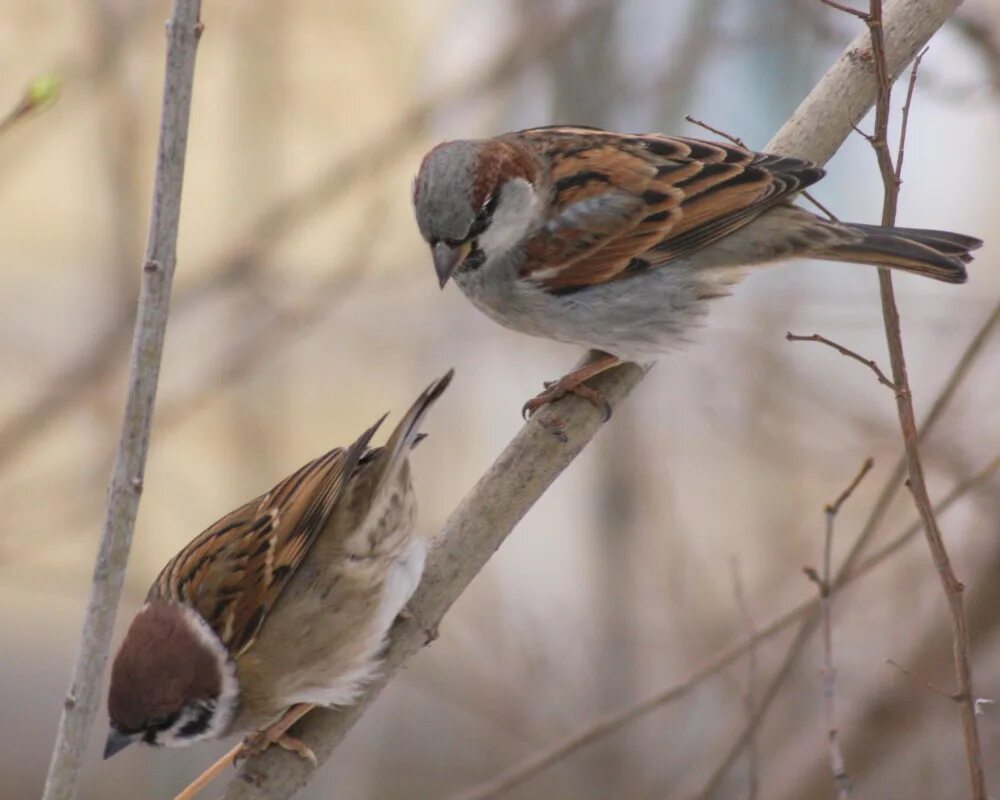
(623, 203)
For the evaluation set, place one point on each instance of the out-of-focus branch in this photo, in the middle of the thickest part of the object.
(953, 588)
(535, 458)
(80, 705)
(545, 757)
(252, 245)
(841, 780)
(985, 39)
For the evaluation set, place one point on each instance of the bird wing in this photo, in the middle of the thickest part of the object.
(622, 203)
(233, 573)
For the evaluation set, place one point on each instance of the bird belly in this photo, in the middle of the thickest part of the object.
(637, 318)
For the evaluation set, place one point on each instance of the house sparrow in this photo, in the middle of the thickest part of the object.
(284, 602)
(616, 242)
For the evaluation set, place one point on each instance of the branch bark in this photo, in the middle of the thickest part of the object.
(535, 457)
(80, 706)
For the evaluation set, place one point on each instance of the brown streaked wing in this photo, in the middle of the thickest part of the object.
(234, 571)
(622, 203)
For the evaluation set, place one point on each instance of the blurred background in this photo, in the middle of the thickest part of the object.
(305, 305)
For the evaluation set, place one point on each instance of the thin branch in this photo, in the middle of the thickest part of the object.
(535, 458)
(80, 706)
(841, 779)
(844, 351)
(701, 124)
(905, 122)
(615, 721)
(953, 588)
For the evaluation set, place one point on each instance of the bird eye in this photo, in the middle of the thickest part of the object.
(485, 215)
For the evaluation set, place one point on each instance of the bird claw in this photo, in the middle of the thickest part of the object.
(556, 390)
(259, 742)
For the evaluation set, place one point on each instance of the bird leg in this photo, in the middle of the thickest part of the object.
(254, 744)
(572, 383)
(277, 733)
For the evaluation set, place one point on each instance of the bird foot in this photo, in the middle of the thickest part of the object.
(569, 384)
(277, 733)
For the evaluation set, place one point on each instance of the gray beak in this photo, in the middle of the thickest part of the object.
(447, 260)
(118, 741)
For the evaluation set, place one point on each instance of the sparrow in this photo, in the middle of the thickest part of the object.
(617, 242)
(282, 604)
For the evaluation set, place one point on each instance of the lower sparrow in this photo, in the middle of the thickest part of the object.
(618, 242)
(286, 600)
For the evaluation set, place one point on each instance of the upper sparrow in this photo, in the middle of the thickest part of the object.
(616, 242)
(286, 600)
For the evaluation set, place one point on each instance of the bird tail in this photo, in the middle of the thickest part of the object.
(941, 255)
(386, 462)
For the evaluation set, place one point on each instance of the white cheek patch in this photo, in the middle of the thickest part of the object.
(225, 703)
(512, 219)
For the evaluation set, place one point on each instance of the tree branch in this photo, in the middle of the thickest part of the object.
(953, 588)
(535, 458)
(80, 706)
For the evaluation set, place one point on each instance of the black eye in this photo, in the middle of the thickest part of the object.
(485, 216)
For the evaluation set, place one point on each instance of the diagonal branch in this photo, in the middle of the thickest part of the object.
(80, 706)
(535, 458)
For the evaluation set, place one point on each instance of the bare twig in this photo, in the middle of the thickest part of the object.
(844, 351)
(905, 122)
(841, 780)
(535, 457)
(701, 124)
(952, 587)
(954, 697)
(80, 707)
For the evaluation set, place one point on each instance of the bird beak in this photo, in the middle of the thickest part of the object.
(447, 259)
(118, 741)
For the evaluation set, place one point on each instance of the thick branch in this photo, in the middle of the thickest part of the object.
(80, 706)
(535, 458)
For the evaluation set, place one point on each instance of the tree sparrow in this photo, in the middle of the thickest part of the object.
(286, 600)
(616, 242)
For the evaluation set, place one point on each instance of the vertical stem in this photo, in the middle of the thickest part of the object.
(953, 588)
(80, 706)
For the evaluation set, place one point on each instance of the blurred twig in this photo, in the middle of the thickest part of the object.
(80, 706)
(535, 458)
(841, 780)
(749, 694)
(40, 93)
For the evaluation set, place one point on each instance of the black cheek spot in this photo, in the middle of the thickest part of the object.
(474, 260)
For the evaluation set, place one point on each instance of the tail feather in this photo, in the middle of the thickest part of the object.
(392, 455)
(941, 255)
